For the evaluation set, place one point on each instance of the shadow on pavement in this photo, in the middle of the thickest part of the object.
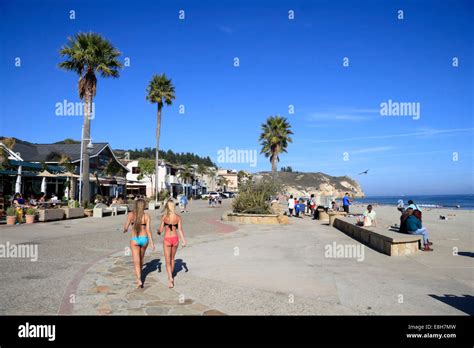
(179, 265)
(464, 303)
(150, 267)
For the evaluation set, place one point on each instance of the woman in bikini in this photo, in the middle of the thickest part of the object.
(141, 236)
(171, 222)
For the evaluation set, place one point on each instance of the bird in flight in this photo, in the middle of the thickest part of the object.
(364, 172)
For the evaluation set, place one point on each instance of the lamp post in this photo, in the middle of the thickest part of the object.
(90, 148)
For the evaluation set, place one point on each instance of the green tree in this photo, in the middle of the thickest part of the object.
(161, 91)
(147, 169)
(88, 54)
(274, 139)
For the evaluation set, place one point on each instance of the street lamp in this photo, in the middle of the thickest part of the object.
(89, 148)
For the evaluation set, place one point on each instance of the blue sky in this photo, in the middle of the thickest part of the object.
(282, 62)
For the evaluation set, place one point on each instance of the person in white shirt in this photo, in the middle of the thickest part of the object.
(368, 218)
(291, 205)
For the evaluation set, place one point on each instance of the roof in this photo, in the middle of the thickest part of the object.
(40, 152)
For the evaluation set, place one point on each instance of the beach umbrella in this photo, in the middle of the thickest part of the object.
(43, 185)
(45, 174)
(18, 183)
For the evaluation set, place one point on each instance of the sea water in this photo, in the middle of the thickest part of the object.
(427, 201)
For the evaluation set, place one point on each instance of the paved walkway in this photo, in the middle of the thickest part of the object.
(227, 268)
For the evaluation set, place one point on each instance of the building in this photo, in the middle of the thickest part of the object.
(228, 180)
(169, 179)
(107, 173)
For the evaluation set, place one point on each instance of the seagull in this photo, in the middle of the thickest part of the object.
(364, 172)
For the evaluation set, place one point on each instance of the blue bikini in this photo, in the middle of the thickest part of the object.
(140, 240)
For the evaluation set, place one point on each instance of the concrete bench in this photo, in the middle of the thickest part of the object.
(384, 241)
(335, 214)
(119, 208)
(322, 214)
(100, 210)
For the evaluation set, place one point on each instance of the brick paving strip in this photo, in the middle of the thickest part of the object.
(108, 288)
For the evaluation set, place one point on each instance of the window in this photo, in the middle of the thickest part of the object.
(135, 170)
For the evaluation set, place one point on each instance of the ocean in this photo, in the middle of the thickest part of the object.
(443, 201)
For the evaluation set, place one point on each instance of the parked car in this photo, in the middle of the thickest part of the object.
(229, 194)
(213, 194)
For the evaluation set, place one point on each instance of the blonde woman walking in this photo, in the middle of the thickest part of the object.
(141, 236)
(171, 222)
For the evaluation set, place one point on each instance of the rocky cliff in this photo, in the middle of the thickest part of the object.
(305, 184)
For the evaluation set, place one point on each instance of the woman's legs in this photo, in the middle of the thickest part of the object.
(172, 256)
(167, 253)
(137, 262)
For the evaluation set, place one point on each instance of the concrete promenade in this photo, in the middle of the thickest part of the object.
(228, 268)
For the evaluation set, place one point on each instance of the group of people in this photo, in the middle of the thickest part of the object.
(214, 201)
(411, 222)
(170, 225)
(301, 207)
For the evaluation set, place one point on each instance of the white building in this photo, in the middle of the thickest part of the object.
(168, 179)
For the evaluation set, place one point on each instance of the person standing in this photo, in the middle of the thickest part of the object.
(346, 202)
(400, 206)
(141, 237)
(172, 224)
(291, 205)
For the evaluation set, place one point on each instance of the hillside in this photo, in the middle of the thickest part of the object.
(304, 184)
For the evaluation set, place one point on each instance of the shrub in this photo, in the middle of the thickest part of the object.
(11, 211)
(163, 195)
(30, 211)
(255, 197)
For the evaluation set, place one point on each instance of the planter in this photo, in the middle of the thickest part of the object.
(88, 212)
(50, 214)
(257, 219)
(71, 213)
(11, 220)
(30, 219)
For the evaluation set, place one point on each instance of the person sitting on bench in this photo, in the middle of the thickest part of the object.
(414, 227)
(368, 218)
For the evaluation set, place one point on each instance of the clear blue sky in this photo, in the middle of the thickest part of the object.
(282, 62)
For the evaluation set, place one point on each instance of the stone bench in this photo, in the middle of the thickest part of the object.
(322, 214)
(100, 210)
(384, 241)
(335, 214)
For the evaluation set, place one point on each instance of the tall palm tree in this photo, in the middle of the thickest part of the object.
(186, 175)
(160, 90)
(88, 54)
(274, 139)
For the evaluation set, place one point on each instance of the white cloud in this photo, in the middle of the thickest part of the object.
(372, 149)
(429, 132)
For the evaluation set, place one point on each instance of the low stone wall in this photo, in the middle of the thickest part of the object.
(71, 213)
(258, 219)
(50, 214)
(387, 242)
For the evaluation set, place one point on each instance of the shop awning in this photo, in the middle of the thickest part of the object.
(32, 165)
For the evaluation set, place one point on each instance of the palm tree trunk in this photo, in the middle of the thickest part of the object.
(158, 128)
(85, 155)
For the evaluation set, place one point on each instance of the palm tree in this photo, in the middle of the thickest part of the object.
(274, 139)
(88, 54)
(160, 90)
(186, 174)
